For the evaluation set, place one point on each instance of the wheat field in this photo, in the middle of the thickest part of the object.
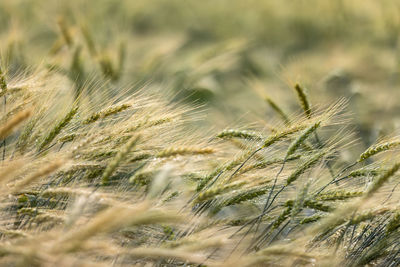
(199, 133)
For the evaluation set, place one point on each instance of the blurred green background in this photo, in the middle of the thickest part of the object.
(226, 56)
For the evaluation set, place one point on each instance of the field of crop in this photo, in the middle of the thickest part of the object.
(199, 133)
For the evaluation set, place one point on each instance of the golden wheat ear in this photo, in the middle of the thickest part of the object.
(13, 123)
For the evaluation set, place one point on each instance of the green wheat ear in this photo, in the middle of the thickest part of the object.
(65, 31)
(311, 219)
(107, 67)
(282, 217)
(239, 196)
(89, 40)
(58, 128)
(302, 96)
(106, 113)
(393, 224)
(217, 190)
(242, 134)
(276, 137)
(338, 195)
(373, 150)
(121, 59)
(300, 200)
(304, 167)
(382, 179)
(181, 151)
(3, 83)
(300, 140)
(121, 155)
(278, 110)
